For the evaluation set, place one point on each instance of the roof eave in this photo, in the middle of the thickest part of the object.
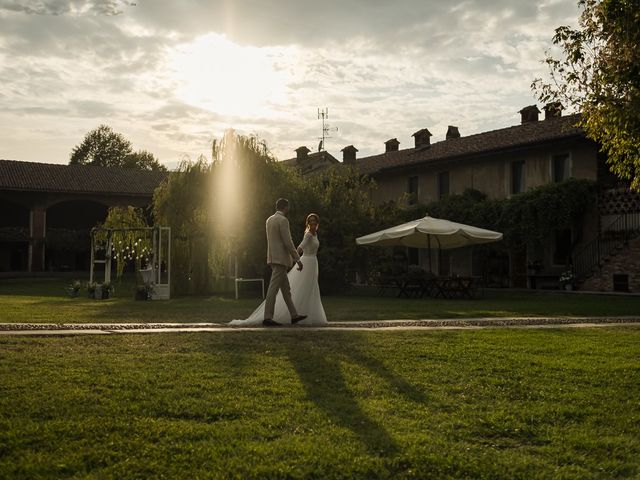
(438, 161)
(76, 192)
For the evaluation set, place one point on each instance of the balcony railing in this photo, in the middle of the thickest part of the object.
(617, 236)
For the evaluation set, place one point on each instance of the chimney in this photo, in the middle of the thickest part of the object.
(301, 153)
(529, 114)
(422, 138)
(452, 132)
(552, 110)
(349, 155)
(391, 145)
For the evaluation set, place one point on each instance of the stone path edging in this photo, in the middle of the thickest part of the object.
(451, 323)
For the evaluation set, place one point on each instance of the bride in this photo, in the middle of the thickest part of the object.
(305, 291)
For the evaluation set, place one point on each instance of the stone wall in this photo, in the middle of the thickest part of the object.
(625, 262)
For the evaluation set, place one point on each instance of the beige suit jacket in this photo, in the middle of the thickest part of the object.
(280, 247)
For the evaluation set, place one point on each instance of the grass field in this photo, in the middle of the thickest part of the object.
(44, 300)
(493, 404)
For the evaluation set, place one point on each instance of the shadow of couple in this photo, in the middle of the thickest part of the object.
(326, 370)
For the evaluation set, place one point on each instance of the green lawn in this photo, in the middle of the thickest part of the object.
(44, 300)
(493, 404)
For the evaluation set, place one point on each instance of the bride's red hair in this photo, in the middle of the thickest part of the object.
(309, 217)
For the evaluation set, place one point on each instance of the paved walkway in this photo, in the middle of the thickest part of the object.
(375, 325)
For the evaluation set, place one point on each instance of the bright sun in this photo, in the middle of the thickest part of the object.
(216, 74)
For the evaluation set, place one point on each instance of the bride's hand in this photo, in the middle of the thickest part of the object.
(299, 265)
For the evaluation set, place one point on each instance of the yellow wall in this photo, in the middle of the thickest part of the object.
(490, 174)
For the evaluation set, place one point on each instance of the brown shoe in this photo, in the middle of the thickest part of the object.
(267, 322)
(298, 319)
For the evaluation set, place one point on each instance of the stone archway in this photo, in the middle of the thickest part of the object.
(68, 233)
(14, 236)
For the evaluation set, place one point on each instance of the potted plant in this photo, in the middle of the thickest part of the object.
(143, 291)
(107, 288)
(567, 280)
(74, 288)
(99, 291)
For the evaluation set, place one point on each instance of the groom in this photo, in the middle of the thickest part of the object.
(280, 251)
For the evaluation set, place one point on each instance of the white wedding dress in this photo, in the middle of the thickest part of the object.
(305, 292)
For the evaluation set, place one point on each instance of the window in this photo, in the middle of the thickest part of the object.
(562, 250)
(412, 190)
(414, 256)
(561, 169)
(517, 177)
(443, 184)
(620, 282)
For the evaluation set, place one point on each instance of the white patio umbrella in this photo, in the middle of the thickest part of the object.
(428, 231)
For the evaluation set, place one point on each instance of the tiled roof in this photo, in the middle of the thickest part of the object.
(47, 177)
(324, 155)
(528, 134)
(314, 162)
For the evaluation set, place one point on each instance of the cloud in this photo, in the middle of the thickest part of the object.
(385, 69)
(91, 108)
(65, 7)
(387, 25)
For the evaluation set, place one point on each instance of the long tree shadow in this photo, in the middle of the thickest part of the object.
(355, 354)
(331, 394)
(321, 375)
(318, 362)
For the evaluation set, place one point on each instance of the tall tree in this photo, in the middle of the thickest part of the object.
(106, 148)
(599, 75)
(102, 147)
(143, 160)
(216, 211)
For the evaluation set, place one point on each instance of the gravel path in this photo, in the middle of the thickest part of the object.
(451, 323)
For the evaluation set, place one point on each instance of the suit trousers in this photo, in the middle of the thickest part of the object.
(279, 281)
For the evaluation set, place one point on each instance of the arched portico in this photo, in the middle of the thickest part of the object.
(48, 207)
(14, 236)
(67, 234)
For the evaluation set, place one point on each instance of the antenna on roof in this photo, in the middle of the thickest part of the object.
(323, 114)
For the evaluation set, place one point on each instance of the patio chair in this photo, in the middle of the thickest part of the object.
(415, 283)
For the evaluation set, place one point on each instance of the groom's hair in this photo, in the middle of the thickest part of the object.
(282, 203)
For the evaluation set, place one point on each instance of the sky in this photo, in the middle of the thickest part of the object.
(171, 76)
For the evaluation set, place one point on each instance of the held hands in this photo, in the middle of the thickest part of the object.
(299, 265)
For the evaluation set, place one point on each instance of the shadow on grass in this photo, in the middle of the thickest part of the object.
(326, 386)
(320, 370)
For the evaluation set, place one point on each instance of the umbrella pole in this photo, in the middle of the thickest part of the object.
(429, 244)
(439, 252)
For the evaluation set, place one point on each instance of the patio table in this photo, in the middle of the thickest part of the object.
(456, 286)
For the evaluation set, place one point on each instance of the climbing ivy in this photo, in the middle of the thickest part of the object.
(525, 219)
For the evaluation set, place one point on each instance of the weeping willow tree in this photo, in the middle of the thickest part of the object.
(181, 202)
(130, 238)
(247, 181)
(217, 211)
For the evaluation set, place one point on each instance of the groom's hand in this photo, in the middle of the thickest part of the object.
(299, 265)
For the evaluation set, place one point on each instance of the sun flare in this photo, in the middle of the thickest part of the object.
(216, 74)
